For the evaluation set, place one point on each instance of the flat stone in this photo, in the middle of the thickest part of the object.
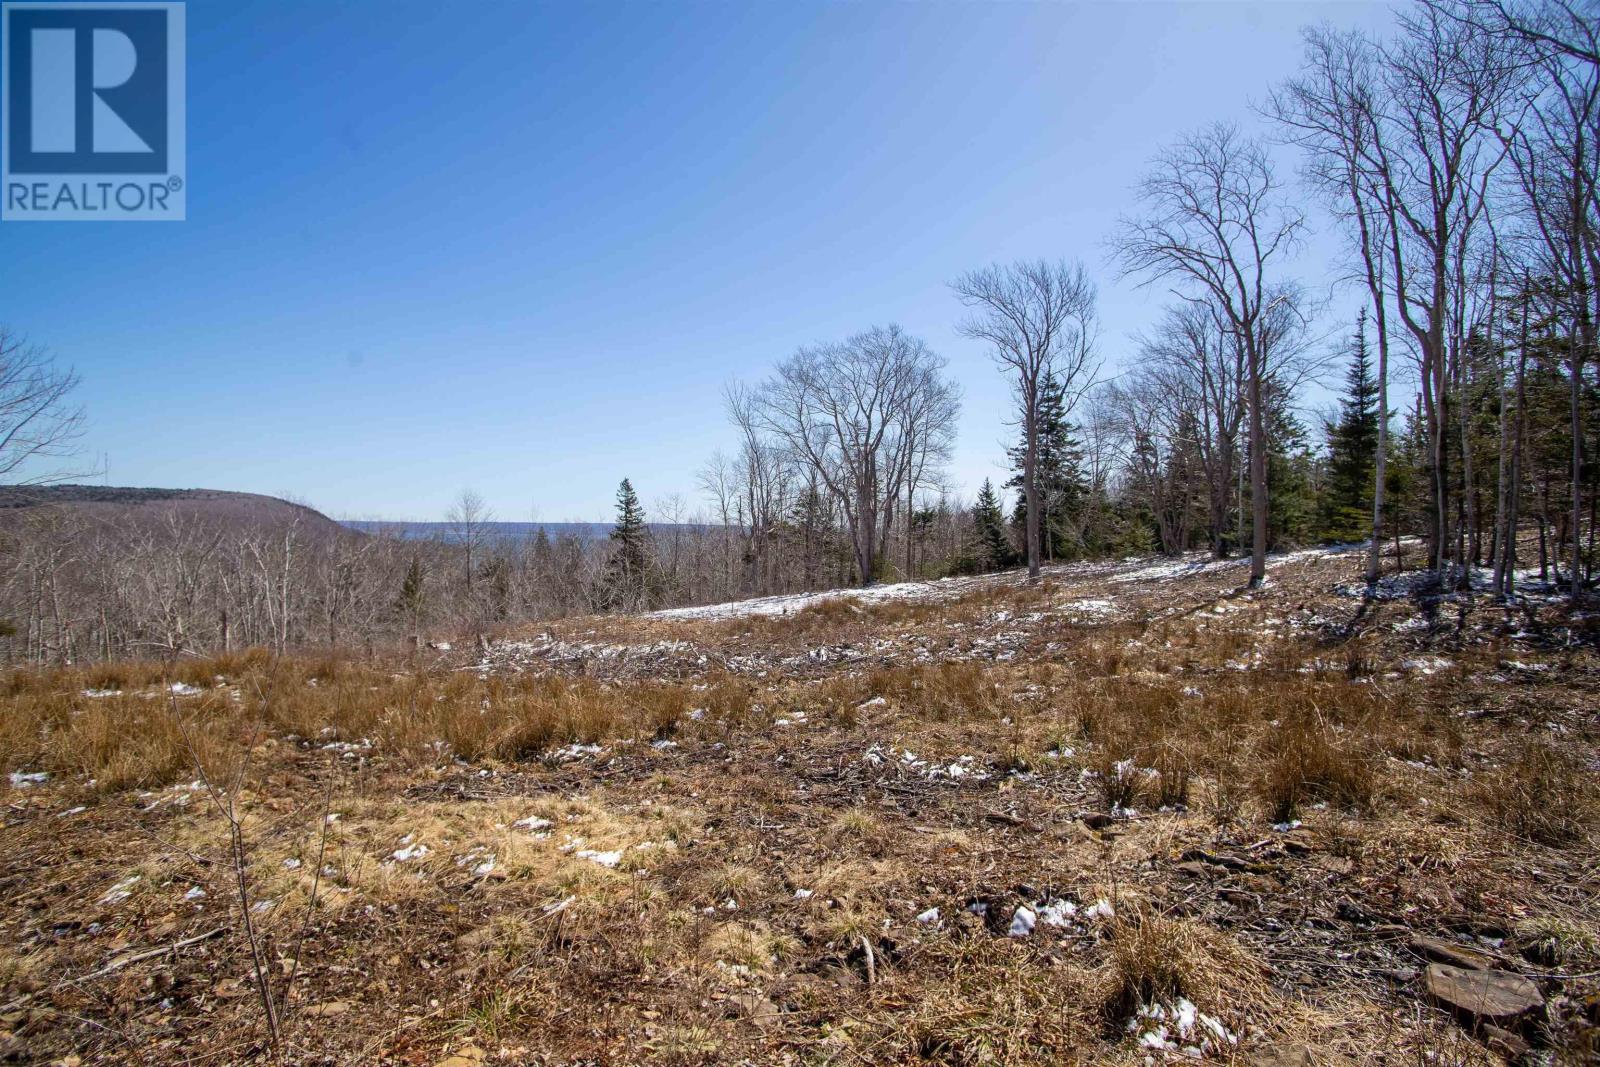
(1487, 996)
(757, 1009)
(1432, 948)
(1504, 1042)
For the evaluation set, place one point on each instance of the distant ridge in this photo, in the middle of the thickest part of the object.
(114, 503)
(510, 531)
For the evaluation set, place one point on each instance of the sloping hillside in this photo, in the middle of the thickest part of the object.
(1129, 815)
(113, 503)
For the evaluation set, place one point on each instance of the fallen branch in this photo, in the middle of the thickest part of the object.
(125, 961)
(117, 965)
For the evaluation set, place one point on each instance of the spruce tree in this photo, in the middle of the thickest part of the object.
(629, 578)
(411, 600)
(993, 548)
(1059, 476)
(1353, 448)
(1293, 472)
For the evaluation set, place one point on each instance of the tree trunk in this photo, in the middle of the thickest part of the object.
(1576, 398)
(1030, 488)
(1258, 477)
(1381, 466)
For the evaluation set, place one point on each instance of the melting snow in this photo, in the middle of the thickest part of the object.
(1426, 664)
(944, 588)
(1057, 912)
(604, 859)
(1179, 1027)
(960, 768)
(121, 891)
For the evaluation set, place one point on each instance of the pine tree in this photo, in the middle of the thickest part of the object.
(1346, 513)
(993, 548)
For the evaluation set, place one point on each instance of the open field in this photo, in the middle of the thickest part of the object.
(1128, 815)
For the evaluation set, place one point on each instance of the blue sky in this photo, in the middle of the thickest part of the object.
(521, 247)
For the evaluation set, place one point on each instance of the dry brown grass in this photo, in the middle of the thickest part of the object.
(1306, 757)
(940, 692)
(1542, 794)
(143, 735)
(981, 1004)
(1291, 737)
(1155, 959)
(691, 945)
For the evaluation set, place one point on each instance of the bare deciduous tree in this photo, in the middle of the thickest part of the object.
(845, 411)
(1216, 221)
(1330, 111)
(469, 518)
(37, 418)
(1039, 320)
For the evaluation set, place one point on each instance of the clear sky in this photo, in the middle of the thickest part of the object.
(521, 247)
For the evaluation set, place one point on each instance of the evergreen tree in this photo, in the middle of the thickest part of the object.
(814, 532)
(1294, 472)
(1346, 511)
(993, 548)
(412, 596)
(920, 528)
(630, 579)
(1063, 488)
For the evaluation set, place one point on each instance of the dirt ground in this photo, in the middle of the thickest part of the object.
(1131, 814)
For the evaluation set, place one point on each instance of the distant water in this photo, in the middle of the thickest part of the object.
(505, 531)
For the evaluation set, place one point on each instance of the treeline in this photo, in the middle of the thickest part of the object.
(78, 587)
(1455, 155)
